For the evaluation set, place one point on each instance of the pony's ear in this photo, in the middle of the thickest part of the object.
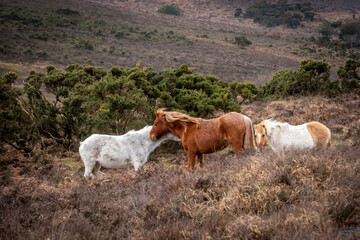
(158, 112)
(266, 133)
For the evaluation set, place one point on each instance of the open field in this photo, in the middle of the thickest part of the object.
(256, 195)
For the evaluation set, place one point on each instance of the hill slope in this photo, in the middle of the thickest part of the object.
(106, 33)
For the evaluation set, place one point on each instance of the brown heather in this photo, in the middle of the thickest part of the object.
(300, 195)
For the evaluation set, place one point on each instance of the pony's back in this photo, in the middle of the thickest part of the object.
(320, 134)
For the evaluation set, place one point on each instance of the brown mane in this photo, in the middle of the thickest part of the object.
(183, 119)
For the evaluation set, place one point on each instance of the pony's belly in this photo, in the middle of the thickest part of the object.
(111, 163)
(210, 148)
(113, 159)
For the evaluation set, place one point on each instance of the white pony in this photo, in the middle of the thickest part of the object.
(285, 137)
(109, 151)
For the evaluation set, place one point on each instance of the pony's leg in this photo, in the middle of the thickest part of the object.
(137, 164)
(200, 159)
(236, 141)
(97, 169)
(191, 159)
(89, 168)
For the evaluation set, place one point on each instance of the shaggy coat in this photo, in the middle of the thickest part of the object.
(200, 136)
(110, 151)
(285, 137)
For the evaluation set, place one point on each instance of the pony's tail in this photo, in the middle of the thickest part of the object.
(329, 142)
(249, 134)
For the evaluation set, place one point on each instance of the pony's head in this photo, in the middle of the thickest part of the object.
(174, 122)
(261, 137)
(159, 127)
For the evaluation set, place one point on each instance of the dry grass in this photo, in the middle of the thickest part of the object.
(300, 195)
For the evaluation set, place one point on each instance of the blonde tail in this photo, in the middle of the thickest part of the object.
(249, 134)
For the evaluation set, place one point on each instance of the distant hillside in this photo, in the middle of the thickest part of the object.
(107, 33)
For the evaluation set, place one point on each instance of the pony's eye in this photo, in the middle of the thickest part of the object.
(263, 135)
(155, 124)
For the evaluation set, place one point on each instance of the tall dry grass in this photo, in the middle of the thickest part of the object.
(303, 195)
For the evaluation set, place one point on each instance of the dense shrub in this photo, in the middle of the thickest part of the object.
(246, 90)
(170, 9)
(242, 41)
(67, 11)
(5, 48)
(349, 76)
(238, 12)
(15, 121)
(350, 34)
(280, 13)
(85, 44)
(88, 99)
(326, 30)
(312, 77)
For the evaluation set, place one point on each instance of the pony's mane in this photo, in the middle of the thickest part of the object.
(272, 122)
(183, 119)
(141, 132)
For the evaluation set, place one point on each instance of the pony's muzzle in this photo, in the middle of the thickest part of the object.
(153, 138)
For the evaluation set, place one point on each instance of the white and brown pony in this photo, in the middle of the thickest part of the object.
(285, 137)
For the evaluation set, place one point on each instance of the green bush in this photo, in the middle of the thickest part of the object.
(280, 13)
(67, 11)
(238, 12)
(90, 100)
(311, 78)
(246, 90)
(44, 36)
(85, 44)
(170, 9)
(348, 75)
(350, 34)
(15, 121)
(242, 41)
(5, 49)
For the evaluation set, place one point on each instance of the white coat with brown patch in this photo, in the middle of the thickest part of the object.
(285, 137)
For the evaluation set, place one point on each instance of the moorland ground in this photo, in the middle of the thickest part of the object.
(255, 195)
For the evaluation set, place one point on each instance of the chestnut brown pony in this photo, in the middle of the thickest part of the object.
(200, 136)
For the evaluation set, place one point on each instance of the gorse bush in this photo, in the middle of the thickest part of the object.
(90, 100)
(170, 9)
(349, 76)
(238, 12)
(350, 34)
(242, 41)
(312, 78)
(280, 13)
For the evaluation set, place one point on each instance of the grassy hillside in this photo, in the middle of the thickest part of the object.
(106, 33)
(256, 195)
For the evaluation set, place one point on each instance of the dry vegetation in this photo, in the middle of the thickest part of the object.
(301, 195)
